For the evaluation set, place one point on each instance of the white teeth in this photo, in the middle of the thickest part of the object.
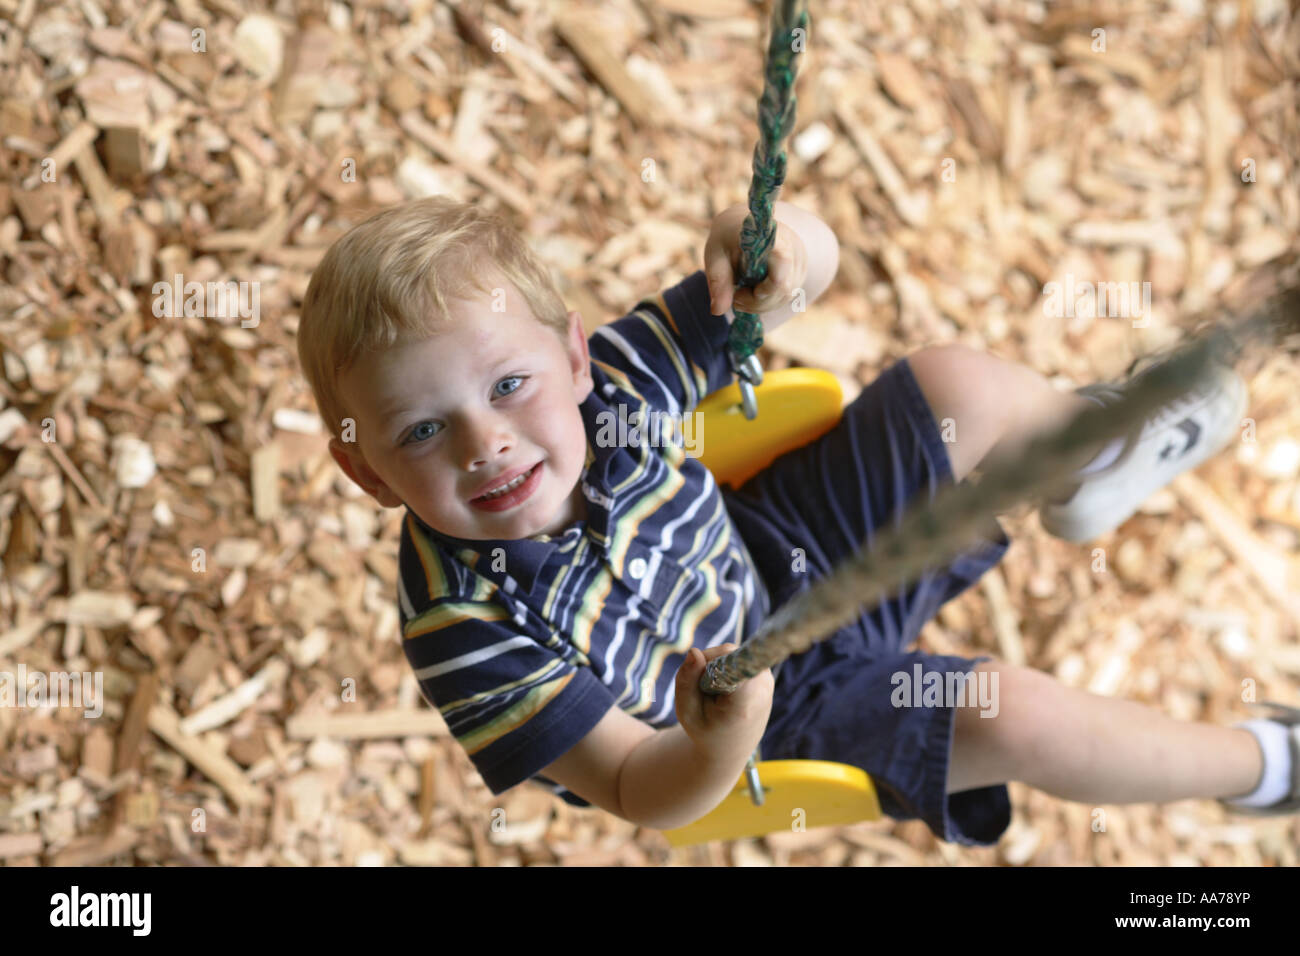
(514, 484)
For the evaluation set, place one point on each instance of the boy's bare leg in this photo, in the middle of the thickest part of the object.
(994, 406)
(1066, 742)
(1091, 749)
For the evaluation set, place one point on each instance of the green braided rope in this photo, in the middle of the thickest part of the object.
(776, 111)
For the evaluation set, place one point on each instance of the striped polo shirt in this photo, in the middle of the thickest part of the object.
(524, 645)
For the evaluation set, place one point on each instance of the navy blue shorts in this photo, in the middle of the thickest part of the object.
(833, 701)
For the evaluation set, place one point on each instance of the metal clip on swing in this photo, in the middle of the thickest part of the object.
(749, 373)
(751, 778)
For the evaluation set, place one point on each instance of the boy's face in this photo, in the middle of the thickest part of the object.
(442, 420)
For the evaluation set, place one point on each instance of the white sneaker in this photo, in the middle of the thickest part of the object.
(1176, 437)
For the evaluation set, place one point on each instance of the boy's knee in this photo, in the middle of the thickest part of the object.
(955, 370)
(967, 398)
(933, 363)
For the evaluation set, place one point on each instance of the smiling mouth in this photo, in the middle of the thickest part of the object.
(509, 487)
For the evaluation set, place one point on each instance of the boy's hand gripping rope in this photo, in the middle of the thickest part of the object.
(776, 111)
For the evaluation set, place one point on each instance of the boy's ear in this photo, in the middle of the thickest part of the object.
(354, 465)
(579, 359)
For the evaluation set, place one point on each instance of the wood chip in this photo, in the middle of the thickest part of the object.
(418, 723)
(911, 207)
(589, 43)
(426, 135)
(20, 844)
(100, 608)
(213, 764)
(266, 482)
(226, 708)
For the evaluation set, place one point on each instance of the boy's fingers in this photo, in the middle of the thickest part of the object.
(780, 265)
(771, 292)
(717, 272)
(764, 297)
(720, 298)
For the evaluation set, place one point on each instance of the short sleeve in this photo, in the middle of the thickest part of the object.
(673, 351)
(514, 703)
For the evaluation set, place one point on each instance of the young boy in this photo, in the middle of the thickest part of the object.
(562, 584)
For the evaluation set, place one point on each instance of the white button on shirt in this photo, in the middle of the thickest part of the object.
(636, 567)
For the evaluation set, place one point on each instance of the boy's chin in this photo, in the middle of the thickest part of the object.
(569, 512)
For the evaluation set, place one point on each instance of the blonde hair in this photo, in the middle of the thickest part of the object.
(387, 282)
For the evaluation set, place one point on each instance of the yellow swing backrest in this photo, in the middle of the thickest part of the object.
(795, 406)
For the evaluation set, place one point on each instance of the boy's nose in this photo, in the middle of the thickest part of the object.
(485, 443)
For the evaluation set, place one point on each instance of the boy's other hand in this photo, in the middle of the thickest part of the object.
(728, 723)
(787, 266)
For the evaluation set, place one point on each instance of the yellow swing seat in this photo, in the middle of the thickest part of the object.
(796, 406)
(803, 793)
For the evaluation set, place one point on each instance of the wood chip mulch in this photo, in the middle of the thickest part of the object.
(169, 515)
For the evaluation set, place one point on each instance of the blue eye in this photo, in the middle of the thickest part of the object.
(516, 378)
(416, 433)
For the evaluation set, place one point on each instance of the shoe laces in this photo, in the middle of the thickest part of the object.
(1170, 410)
(1282, 713)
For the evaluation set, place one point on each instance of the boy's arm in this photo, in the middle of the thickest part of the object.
(653, 778)
(661, 779)
(821, 246)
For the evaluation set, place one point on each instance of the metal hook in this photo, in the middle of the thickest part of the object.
(751, 777)
(748, 400)
(748, 374)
